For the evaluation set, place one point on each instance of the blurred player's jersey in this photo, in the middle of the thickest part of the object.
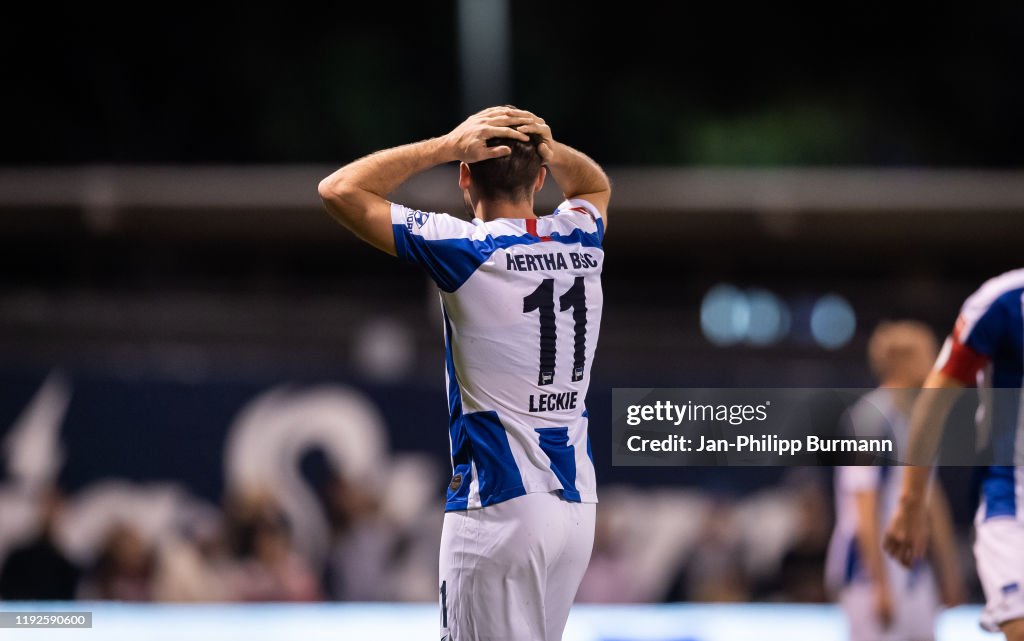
(987, 349)
(521, 302)
(877, 413)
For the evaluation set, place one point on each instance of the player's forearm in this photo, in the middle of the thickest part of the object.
(915, 486)
(576, 173)
(383, 172)
(927, 422)
(868, 536)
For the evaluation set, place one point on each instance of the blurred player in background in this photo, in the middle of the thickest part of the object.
(882, 600)
(987, 349)
(521, 301)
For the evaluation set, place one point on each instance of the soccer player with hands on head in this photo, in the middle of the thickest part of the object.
(521, 305)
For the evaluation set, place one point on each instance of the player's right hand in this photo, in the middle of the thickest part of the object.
(468, 141)
(907, 535)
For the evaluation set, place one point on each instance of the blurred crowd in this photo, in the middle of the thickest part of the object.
(675, 545)
(245, 553)
(669, 544)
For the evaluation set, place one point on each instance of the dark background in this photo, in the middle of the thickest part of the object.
(653, 83)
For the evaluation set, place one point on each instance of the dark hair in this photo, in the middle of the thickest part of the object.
(509, 177)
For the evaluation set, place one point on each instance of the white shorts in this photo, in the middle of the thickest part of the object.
(999, 556)
(510, 571)
(916, 606)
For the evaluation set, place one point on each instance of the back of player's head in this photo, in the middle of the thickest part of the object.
(904, 349)
(510, 177)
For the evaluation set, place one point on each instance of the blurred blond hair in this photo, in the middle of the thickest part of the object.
(902, 352)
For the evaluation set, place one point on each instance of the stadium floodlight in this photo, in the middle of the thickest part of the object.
(483, 53)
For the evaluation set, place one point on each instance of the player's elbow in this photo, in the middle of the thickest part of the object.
(599, 185)
(342, 200)
(324, 188)
(333, 188)
(339, 195)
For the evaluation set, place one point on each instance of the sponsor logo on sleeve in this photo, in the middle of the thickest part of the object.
(415, 219)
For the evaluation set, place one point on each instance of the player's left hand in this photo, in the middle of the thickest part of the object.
(468, 141)
(907, 535)
(546, 147)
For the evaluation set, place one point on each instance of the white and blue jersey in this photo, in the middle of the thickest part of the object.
(521, 301)
(987, 349)
(879, 415)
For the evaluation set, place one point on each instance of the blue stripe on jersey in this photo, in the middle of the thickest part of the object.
(451, 261)
(998, 491)
(554, 441)
(590, 453)
(1007, 373)
(496, 468)
(480, 438)
(999, 334)
(1005, 409)
(999, 323)
(852, 569)
(458, 498)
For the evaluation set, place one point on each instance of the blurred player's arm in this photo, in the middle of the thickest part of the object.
(975, 338)
(356, 194)
(868, 536)
(944, 555)
(907, 536)
(577, 175)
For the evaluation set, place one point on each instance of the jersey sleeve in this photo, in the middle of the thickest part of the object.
(974, 340)
(588, 217)
(442, 245)
(867, 418)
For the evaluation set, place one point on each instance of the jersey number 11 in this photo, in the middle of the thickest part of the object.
(542, 299)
